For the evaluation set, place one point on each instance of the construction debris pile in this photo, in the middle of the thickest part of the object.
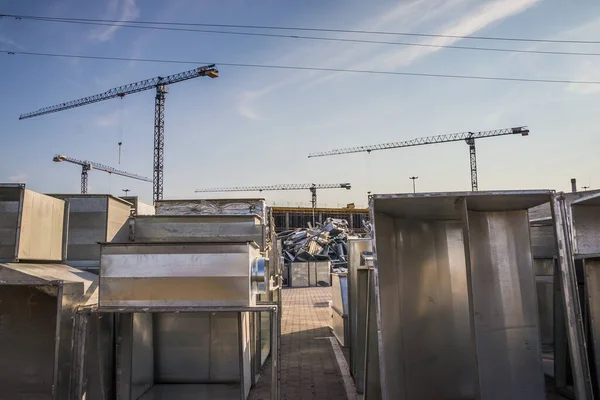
(326, 242)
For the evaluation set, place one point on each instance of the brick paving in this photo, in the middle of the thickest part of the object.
(309, 369)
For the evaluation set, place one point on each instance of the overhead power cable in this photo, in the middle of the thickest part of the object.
(301, 68)
(289, 28)
(318, 38)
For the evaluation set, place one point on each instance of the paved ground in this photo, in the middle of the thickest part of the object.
(309, 369)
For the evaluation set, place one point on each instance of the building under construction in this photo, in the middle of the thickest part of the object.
(287, 218)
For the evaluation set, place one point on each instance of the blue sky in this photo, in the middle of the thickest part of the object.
(255, 126)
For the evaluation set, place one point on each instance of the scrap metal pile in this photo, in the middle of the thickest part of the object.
(325, 242)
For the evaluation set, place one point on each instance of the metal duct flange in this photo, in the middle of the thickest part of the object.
(259, 274)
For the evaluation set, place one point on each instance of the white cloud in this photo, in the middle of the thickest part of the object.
(127, 10)
(19, 177)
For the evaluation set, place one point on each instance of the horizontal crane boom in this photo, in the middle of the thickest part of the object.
(101, 167)
(297, 186)
(147, 84)
(453, 137)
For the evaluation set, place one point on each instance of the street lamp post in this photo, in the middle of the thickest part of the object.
(414, 178)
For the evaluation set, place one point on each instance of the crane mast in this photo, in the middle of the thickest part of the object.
(468, 137)
(87, 166)
(160, 84)
(295, 186)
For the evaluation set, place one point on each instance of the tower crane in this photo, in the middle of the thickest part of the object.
(86, 166)
(468, 137)
(298, 186)
(160, 84)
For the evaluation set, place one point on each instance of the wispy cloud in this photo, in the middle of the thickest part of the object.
(124, 10)
(475, 20)
(19, 177)
(109, 119)
(586, 71)
(9, 42)
(465, 18)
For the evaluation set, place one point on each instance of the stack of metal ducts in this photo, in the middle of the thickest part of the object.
(186, 285)
(39, 296)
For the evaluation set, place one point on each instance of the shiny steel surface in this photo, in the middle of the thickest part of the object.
(371, 374)
(544, 284)
(567, 284)
(162, 274)
(93, 219)
(31, 225)
(504, 306)
(339, 325)
(142, 354)
(339, 308)
(543, 242)
(592, 286)
(424, 311)
(199, 228)
(356, 339)
(435, 272)
(197, 348)
(298, 273)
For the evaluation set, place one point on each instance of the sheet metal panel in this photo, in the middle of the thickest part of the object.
(592, 286)
(37, 341)
(139, 207)
(355, 249)
(544, 284)
(212, 207)
(10, 218)
(430, 278)
(182, 347)
(424, 309)
(99, 356)
(339, 327)
(193, 274)
(505, 321)
(586, 226)
(142, 354)
(323, 273)
(312, 273)
(31, 225)
(572, 321)
(118, 215)
(199, 228)
(299, 274)
(371, 374)
(93, 219)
